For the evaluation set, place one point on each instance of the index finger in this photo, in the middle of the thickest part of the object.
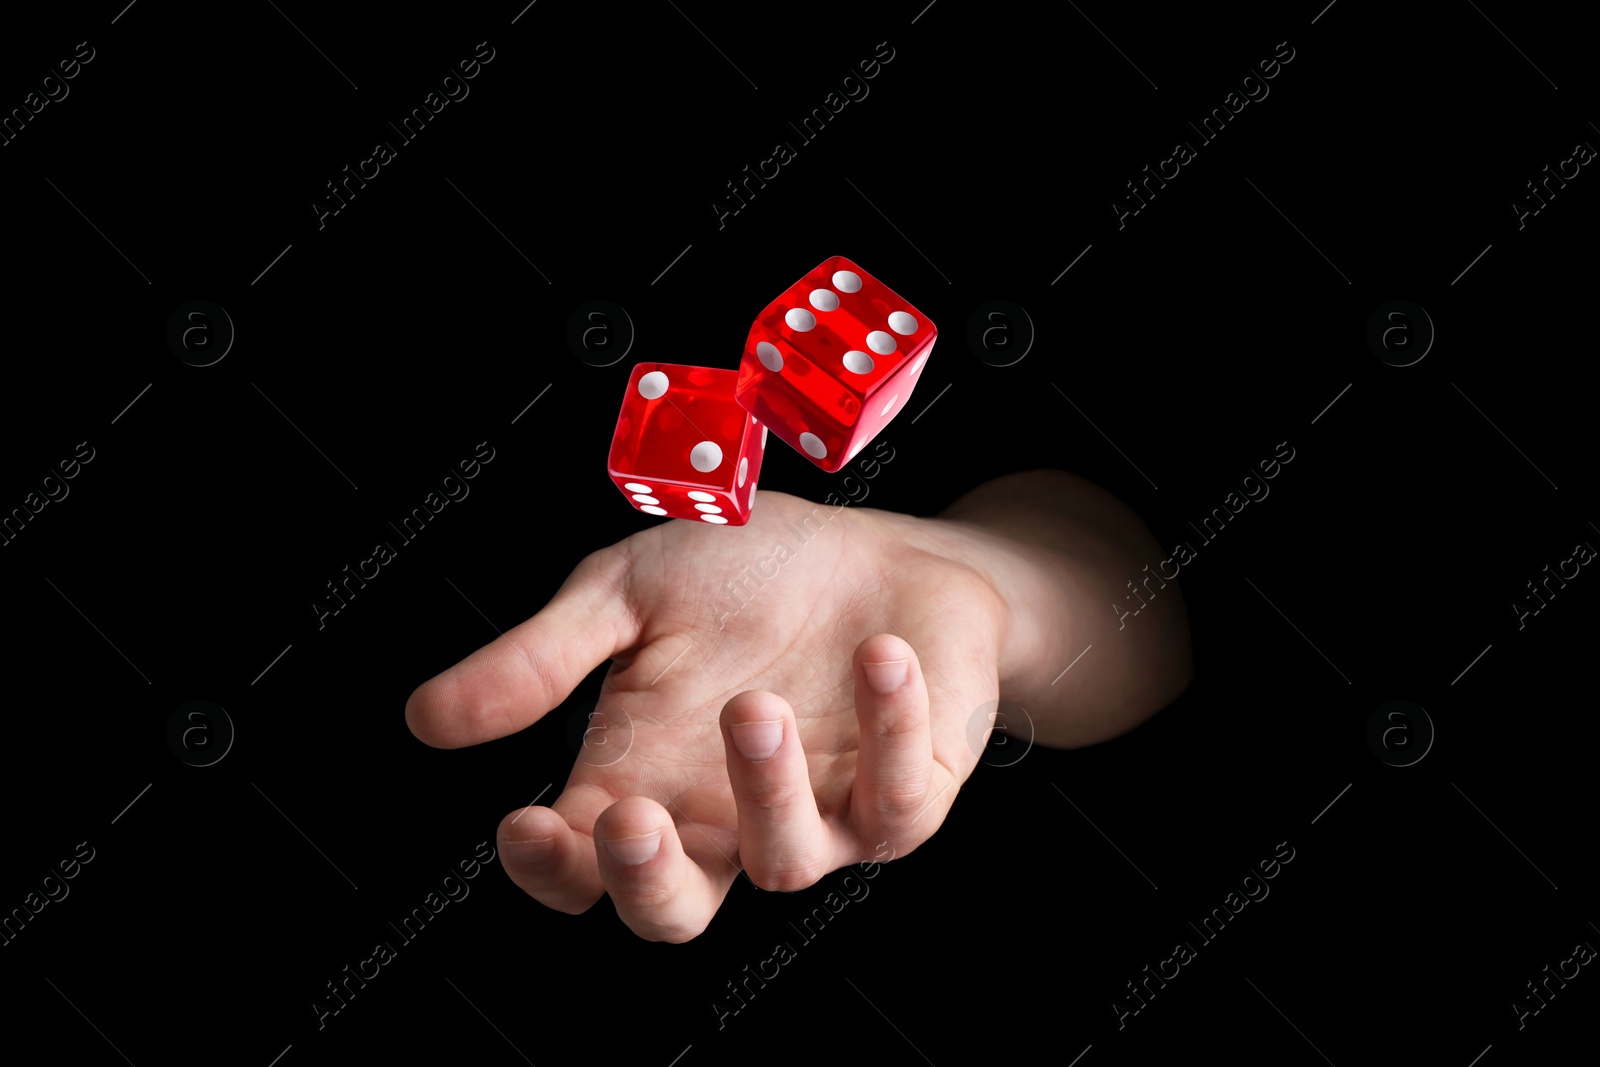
(513, 681)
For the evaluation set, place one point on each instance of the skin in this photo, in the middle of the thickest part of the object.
(989, 601)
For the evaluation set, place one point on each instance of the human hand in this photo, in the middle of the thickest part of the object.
(785, 734)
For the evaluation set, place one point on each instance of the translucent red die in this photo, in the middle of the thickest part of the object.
(832, 361)
(684, 447)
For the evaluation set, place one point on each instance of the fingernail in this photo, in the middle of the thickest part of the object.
(635, 850)
(888, 676)
(531, 850)
(758, 740)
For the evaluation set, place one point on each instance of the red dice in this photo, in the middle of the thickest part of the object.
(832, 361)
(684, 447)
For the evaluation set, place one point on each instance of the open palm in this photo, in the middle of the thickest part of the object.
(785, 698)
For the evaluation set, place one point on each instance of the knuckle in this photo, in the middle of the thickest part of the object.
(540, 667)
(677, 935)
(558, 898)
(770, 795)
(651, 900)
(908, 817)
(900, 800)
(899, 722)
(606, 565)
(607, 571)
(787, 874)
(898, 846)
(565, 905)
(673, 931)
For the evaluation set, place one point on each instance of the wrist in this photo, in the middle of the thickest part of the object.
(1057, 551)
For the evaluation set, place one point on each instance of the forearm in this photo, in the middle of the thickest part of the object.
(1062, 552)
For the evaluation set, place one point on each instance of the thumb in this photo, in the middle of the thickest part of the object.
(516, 679)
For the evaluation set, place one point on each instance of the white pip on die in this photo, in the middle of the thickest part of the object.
(832, 361)
(684, 448)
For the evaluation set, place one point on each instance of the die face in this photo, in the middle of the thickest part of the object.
(888, 401)
(823, 359)
(684, 447)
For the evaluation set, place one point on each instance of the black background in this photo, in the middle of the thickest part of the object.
(379, 349)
